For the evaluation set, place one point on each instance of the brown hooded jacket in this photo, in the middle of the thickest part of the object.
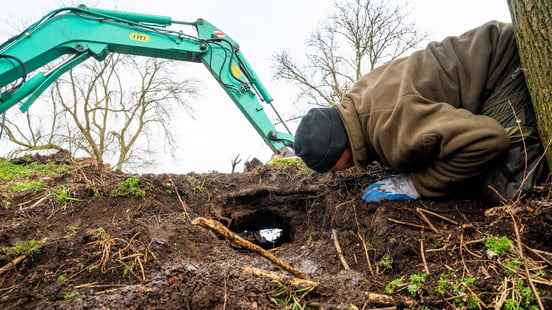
(421, 113)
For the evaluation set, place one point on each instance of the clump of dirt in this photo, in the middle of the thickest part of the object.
(102, 251)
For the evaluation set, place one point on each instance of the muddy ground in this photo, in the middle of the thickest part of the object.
(100, 250)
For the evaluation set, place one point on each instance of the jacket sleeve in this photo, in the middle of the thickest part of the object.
(433, 128)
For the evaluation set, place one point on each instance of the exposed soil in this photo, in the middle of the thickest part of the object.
(137, 253)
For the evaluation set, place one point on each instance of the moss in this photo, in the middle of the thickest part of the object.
(66, 296)
(386, 262)
(286, 162)
(27, 248)
(496, 246)
(512, 265)
(392, 286)
(417, 280)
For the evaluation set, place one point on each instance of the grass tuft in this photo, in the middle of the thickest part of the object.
(129, 188)
(28, 248)
(63, 196)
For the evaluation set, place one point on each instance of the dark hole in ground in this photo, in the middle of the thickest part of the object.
(264, 228)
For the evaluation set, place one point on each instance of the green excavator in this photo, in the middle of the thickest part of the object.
(82, 33)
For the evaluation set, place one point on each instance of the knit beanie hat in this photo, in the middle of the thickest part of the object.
(321, 139)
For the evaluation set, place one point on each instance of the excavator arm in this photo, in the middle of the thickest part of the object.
(81, 33)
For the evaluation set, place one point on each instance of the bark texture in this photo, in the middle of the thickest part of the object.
(532, 21)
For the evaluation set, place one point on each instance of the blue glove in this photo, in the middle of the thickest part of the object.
(399, 187)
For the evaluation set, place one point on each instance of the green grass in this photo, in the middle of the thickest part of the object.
(498, 245)
(285, 297)
(62, 195)
(30, 186)
(27, 248)
(13, 172)
(129, 188)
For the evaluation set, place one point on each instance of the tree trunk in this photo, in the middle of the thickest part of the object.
(532, 21)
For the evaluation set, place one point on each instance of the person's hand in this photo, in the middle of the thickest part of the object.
(399, 187)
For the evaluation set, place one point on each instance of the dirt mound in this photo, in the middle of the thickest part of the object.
(93, 238)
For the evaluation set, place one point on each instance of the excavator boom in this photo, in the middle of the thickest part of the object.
(82, 33)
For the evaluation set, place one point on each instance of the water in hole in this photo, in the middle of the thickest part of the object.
(271, 234)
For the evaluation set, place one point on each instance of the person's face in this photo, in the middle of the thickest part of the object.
(345, 161)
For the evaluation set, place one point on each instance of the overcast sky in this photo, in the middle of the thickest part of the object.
(219, 131)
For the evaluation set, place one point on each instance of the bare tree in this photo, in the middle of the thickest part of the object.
(109, 110)
(361, 35)
(235, 162)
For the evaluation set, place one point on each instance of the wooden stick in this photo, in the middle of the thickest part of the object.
(339, 251)
(236, 239)
(386, 299)
(370, 268)
(538, 253)
(182, 203)
(279, 277)
(428, 222)
(380, 299)
(12, 264)
(34, 205)
(474, 241)
(408, 224)
(422, 252)
(462, 252)
(444, 218)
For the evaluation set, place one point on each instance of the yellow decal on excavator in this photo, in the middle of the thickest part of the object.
(140, 37)
(236, 71)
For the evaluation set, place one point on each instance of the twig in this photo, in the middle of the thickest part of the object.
(339, 251)
(182, 203)
(382, 299)
(461, 251)
(141, 268)
(408, 224)
(524, 258)
(34, 205)
(370, 268)
(503, 295)
(12, 264)
(422, 252)
(539, 253)
(225, 293)
(296, 282)
(96, 285)
(425, 219)
(444, 218)
(474, 241)
(236, 239)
